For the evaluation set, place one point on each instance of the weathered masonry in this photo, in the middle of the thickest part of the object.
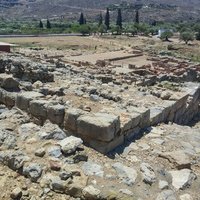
(102, 131)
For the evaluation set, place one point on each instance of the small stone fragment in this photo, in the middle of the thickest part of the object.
(16, 193)
(166, 195)
(54, 151)
(32, 171)
(149, 176)
(91, 193)
(64, 175)
(55, 165)
(163, 185)
(92, 169)
(40, 152)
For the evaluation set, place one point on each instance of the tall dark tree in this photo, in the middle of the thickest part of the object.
(137, 20)
(100, 19)
(81, 19)
(41, 24)
(154, 23)
(119, 18)
(85, 21)
(48, 24)
(107, 19)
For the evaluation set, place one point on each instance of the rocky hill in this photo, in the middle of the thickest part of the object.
(170, 10)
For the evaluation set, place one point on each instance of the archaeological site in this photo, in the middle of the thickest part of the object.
(99, 118)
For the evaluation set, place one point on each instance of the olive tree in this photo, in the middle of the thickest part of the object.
(187, 36)
(166, 35)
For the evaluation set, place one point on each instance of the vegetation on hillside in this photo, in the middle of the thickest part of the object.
(102, 25)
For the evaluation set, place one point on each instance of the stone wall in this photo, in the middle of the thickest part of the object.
(125, 57)
(180, 111)
(103, 131)
(26, 69)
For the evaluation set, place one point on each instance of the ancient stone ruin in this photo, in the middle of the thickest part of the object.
(106, 129)
(101, 106)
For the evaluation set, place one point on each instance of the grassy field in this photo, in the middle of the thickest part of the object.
(58, 42)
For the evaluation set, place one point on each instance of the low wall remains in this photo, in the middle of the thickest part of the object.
(103, 131)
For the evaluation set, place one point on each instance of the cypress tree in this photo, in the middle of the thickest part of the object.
(41, 24)
(81, 19)
(48, 24)
(137, 20)
(85, 21)
(154, 23)
(100, 19)
(107, 19)
(119, 18)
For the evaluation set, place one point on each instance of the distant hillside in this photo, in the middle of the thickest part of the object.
(169, 10)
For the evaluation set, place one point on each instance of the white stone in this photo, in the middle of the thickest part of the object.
(166, 195)
(182, 178)
(127, 174)
(163, 185)
(148, 173)
(90, 192)
(70, 144)
(92, 169)
(186, 197)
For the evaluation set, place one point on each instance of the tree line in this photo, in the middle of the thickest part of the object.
(107, 21)
(104, 23)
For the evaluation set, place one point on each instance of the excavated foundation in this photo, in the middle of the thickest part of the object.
(104, 131)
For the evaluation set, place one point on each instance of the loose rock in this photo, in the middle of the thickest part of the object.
(127, 174)
(148, 173)
(182, 179)
(70, 144)
(16, 193)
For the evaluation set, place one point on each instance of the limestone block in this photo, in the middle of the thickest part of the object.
(38, 108)
(55, 113)
(131, 134)
(161, 113)
(99, 126)
(129, 121)
(8, 82)
(105, 147)
(23, 99)
(71, 116)
(145, 116)
(10, 99)
(155, 115)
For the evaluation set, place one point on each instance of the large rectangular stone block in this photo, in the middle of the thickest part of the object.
(10, 98)
(132, 134)
(128, 121)
(71, 116)
(23, 99)
(8, 82)
(161, 113)
(38, 108)
(144, 114)
(55, 113)
(105, 147)
(99, 126)
(155, 115)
